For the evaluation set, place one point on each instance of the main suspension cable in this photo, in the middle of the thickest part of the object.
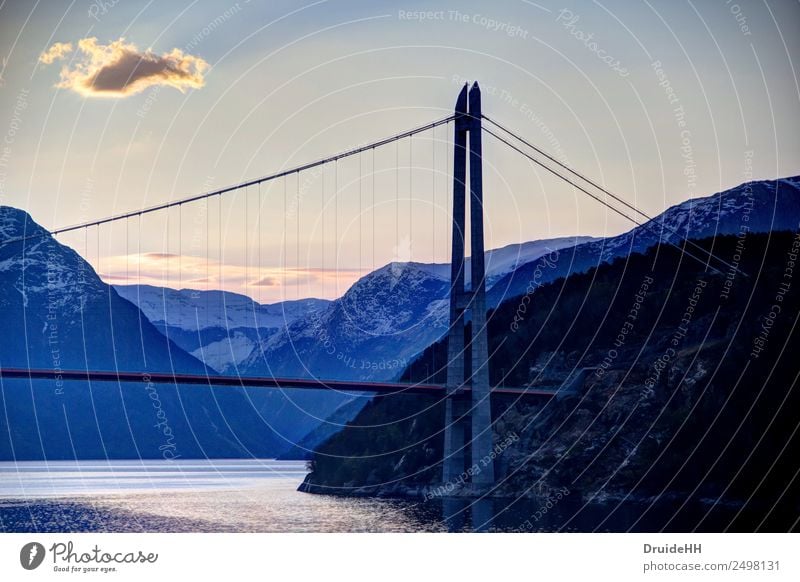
(607, 192)
(603, 202)
(296, 170)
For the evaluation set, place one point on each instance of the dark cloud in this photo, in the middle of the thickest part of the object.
(119, 69)
(265, 282)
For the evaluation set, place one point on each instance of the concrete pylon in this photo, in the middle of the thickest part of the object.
(481, 407)
(455, 407)
(459, 413)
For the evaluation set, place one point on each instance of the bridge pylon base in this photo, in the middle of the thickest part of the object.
(457, 429)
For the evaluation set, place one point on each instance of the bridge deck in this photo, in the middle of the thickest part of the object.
(379, 388)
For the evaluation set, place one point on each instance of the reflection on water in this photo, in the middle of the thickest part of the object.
(179, 496)
(70, 478)
(261, 496)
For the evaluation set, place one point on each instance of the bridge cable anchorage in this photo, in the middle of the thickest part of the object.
(295, 170)
(610, 194)
(647, 225)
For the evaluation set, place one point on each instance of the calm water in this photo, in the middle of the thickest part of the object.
(261, 496)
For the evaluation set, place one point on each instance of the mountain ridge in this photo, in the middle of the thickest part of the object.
(58, 314)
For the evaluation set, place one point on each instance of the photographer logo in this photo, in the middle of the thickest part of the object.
(31, 555)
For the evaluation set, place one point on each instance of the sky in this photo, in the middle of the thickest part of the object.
(112, 105)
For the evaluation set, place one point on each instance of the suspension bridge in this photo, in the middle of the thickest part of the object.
(467, 392)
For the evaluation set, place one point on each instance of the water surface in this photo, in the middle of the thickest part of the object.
(261, 496)
(188, 496)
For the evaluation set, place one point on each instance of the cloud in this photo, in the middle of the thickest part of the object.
(57, 52)
(120, 69)
(159, 256)
(265, 282)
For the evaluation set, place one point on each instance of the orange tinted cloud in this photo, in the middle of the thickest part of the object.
(265, 284)
(119, 68)
(56, 52)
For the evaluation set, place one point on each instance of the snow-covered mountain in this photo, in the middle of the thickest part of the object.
(395, 312)
(191, 309)
(57, 313)
(390, 315)
(220, 328)
(382, 322)
(385, 319)
(759, 206)
(500, 262)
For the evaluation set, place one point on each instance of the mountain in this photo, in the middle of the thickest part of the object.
(381, 322)
(694, 405)
(759, 206)
(385, 319)
(390, 315)
(505, 260)
(220, 328)
(56, 313)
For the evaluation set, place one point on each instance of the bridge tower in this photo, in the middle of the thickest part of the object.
(461, 416)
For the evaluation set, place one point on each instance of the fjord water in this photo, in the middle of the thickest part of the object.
(186, 496)
(261, 496)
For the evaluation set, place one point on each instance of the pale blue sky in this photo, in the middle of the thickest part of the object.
(293, 81)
